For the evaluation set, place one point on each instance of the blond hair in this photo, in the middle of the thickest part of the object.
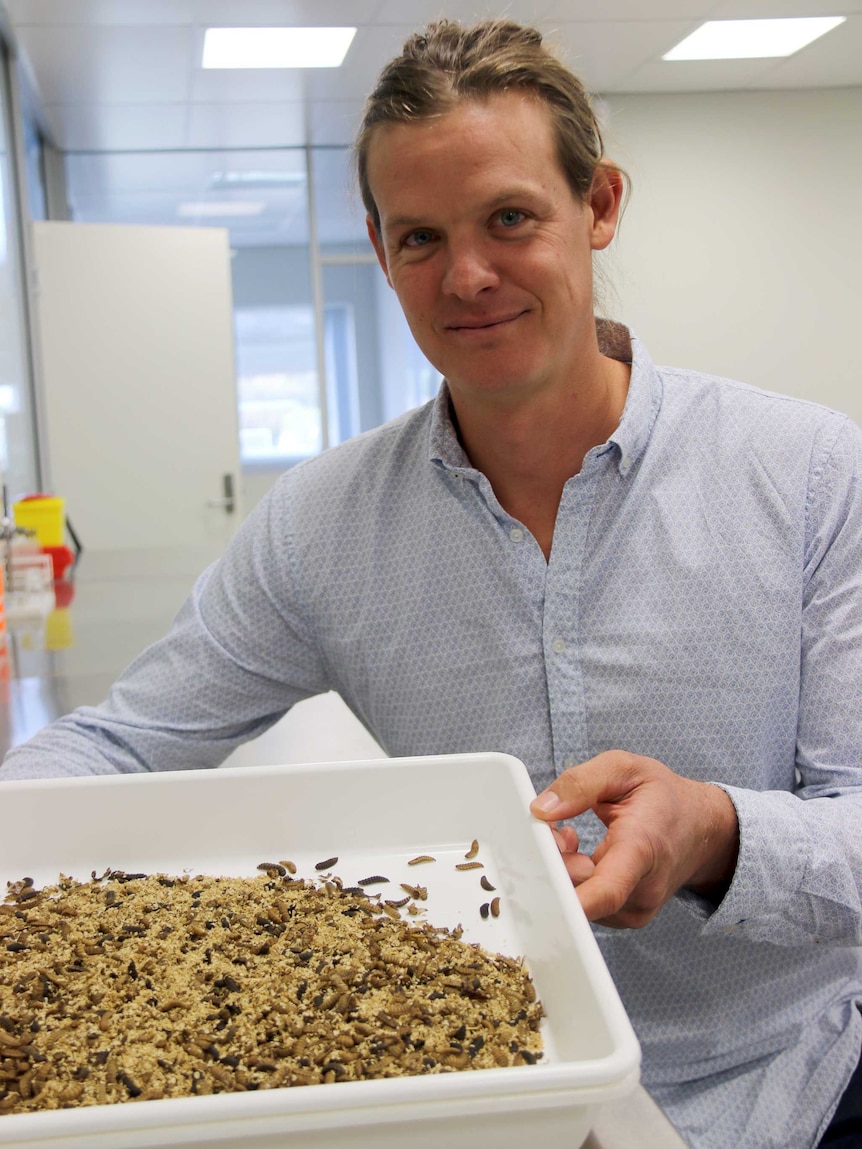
(450, 62)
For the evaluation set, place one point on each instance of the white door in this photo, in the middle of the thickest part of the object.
(135, 340)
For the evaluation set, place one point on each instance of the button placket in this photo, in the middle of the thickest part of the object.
(563, 668)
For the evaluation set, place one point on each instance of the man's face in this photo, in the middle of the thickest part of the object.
(487, 248)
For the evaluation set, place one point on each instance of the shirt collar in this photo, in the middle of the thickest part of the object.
(641, 406)
(446, 449)
(635, 425)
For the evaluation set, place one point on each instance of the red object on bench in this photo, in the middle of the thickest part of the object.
(62, 557)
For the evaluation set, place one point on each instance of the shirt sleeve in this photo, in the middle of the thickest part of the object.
(799, 875)
(237, 657)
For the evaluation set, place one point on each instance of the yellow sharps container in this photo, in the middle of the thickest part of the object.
(44, 514)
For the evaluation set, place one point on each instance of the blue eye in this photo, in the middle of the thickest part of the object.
(510, 217)
(418, 239)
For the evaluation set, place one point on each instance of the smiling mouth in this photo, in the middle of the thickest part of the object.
(485, 324)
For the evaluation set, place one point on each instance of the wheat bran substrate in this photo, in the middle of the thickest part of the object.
(133, 987)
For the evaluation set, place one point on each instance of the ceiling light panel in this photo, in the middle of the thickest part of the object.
(751, 39)
(276, 47)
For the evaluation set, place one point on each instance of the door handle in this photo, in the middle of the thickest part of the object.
(229, 501)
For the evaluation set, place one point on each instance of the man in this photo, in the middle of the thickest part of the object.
(478, 232)
(646, 583)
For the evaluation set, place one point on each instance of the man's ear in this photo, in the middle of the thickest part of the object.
(377, 244)
(605, 202)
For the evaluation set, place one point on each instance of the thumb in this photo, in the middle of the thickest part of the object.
(608, 776)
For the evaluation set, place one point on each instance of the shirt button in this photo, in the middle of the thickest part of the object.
(516, 535)
(569, 761)
(558, 646)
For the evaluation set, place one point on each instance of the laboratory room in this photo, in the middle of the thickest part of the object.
(429, 664)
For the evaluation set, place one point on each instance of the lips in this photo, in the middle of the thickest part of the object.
(483, 322)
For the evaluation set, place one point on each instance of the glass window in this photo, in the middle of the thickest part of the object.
(259, 196)
(340, 214)
(279, 409)
(34, 171)
(342, 377)
(353, 378)
(17, 437)
(392, 375)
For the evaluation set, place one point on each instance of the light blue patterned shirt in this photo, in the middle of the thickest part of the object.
(702, 605)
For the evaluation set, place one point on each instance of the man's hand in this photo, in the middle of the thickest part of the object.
(664, 832)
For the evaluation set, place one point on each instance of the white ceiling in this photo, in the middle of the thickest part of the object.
(125, 75)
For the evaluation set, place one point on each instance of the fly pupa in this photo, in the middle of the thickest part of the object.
(473, 851)
(483, 909)
(495, 907)
(485, 884)
(420, 893)
(289, 866)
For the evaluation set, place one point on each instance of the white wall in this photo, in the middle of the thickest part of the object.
(741, 250)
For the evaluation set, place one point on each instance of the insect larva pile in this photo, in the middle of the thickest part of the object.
(130, 987)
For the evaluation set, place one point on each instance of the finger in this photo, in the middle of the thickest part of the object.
(580, 867)
(566, 838)
(560, 841)
(616, 876)
(610, 775)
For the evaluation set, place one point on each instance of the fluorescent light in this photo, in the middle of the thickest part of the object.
(276, 47)
(749, 39)
(224, 208)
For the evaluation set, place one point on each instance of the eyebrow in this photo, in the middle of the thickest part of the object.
(400, 221)
(506, 198)
(514, 194)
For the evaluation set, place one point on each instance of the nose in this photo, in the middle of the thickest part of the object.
(468, 271)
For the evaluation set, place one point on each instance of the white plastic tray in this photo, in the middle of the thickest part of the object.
(374, 816)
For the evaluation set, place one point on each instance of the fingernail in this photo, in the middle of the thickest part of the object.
(546, 802)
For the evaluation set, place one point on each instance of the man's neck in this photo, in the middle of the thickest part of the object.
(528, 451)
